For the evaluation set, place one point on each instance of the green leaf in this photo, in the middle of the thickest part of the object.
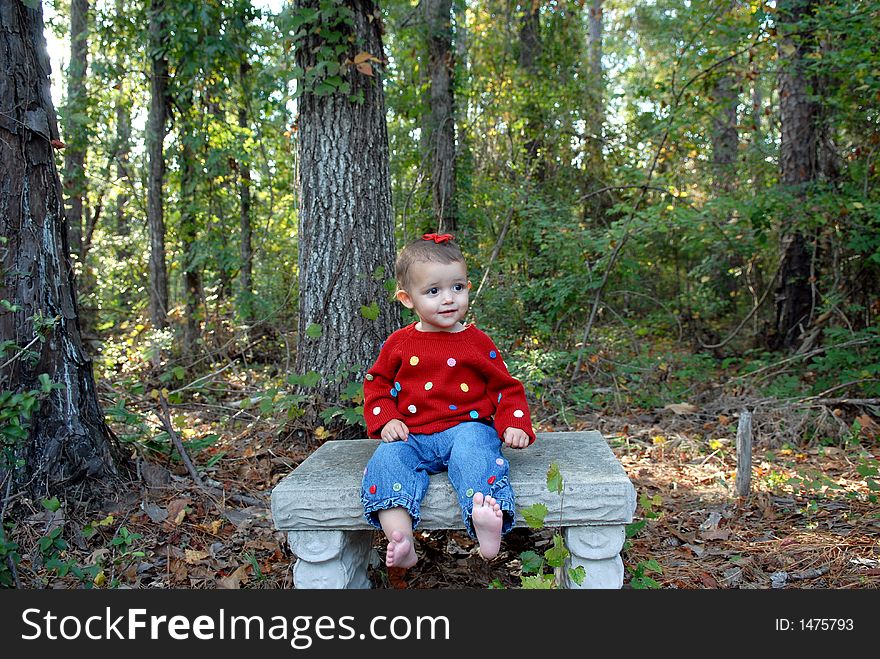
(651, 566)
(313, 331)
(531, 562)
(45, 383)
(371, 312)
(554, 479)
(534, 515)
(179, 372)
(52, 504)
(635, 527)
(577, 574)
(538, 582)
(557, 554)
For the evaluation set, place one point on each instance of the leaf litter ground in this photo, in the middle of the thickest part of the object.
(809, 522)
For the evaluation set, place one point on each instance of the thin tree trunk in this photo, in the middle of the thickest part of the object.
(67, 439)
(798, 165)
(597, 83)
(245, 283)
(441, 120)
(529, 53)
(346, 232)
(189, 231)
(74, 125)
(156, 121)
(725, 147)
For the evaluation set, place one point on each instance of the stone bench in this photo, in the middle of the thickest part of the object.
(319, 507)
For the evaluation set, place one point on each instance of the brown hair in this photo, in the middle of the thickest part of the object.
(421, 250)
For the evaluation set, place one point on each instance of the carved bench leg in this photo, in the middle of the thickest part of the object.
(597, 550)
(331, 559)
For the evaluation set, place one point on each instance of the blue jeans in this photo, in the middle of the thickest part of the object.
(397, 474)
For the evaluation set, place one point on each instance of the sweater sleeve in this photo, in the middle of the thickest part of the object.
(505, 391)
(380, 394)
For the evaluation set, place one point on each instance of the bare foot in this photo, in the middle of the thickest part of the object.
(487, 518)
(401, 552)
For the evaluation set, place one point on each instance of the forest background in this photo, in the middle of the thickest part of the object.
(670, 215)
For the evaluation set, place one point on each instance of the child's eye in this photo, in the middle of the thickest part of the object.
(458, 288)
(433, 291)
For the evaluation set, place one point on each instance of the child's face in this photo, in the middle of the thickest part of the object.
(438, 293)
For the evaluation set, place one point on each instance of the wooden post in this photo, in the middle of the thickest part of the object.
(744, 454)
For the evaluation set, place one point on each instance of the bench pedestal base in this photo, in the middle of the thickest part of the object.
(339, 559)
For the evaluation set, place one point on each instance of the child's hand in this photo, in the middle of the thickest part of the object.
(395, 430)
(516, 438)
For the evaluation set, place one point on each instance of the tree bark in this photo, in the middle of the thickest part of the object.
(245, 281)
(189, 230)
(798, 165)
(597, 84)
(529, 53)
(725, 148)
(74, 110)
(158, 115)
(346, 231)
(725, 139)
(67, 440)
(440, 126)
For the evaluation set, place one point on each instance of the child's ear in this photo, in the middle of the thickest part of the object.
(470, 286)
(404, 298)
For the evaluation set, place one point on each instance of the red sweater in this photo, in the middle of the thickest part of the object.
(435, 380)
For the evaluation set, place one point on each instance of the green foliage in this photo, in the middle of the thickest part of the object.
(555, 557)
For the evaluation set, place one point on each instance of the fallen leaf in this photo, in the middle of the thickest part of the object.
(193, 556)
(708, 580)
(682, 408)
(58, 144)
(177, 511)
(365, 68)
(233, 581)
(715, 534)
(870, 428)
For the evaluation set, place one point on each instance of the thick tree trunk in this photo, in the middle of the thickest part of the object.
(798, 165)
(67, 439)
(156, 121)
(346, 231)
(75, 128)
(440, 126)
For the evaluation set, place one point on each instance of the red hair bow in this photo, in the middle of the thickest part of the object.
(438, 237)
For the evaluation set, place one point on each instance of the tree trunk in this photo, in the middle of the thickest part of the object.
(441, 120)
(798, 165)
(245, 282)
(597, 84)
(725, 139)
(74, 126)
(725, 148)
(67, 439)
(346, 231)
(529, 53)
(156, 121)
(189, 231)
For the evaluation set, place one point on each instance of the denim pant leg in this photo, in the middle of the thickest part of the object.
(394, 478)
(476, 465)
